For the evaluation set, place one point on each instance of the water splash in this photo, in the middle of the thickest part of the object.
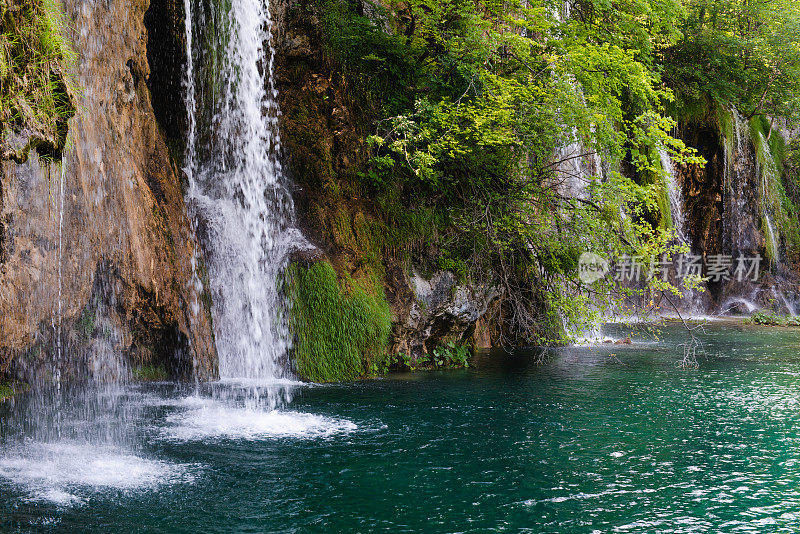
(69, 444)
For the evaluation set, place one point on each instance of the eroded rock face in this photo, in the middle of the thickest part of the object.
(703, 189)
(98, 252)
(440, 310)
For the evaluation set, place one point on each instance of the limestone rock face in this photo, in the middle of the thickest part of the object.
(95, 254)
(441, 310)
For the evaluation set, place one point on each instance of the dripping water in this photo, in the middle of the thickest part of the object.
(675, 193)
(60, 316)
(773, 240)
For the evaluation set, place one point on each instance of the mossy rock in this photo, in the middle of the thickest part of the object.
(341, 328)
(9, 388)
(150, 373)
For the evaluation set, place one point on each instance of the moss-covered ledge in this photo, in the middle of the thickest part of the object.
(340, 326)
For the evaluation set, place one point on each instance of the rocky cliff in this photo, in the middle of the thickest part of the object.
(95, 245)
(327, 117)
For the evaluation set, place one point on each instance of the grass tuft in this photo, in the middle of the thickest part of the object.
(35, 81)
(150, 373)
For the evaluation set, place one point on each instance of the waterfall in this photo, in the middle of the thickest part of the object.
(675, 193)
(196, 285)
(237, 194)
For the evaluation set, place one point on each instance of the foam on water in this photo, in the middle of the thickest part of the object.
(69, 473)
(211, 419)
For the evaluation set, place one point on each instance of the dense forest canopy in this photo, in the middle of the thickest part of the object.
(485, 112)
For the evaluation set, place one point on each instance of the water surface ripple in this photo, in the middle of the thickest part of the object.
(595, 439)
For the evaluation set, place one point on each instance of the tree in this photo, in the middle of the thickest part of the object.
(744, 53)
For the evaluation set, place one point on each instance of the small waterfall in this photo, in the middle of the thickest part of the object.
(675, 193)
(772, 242)
(573, 177)
(242, 209)
(60, 311)
(196, 285)
(738, 236)
(692, 300)
(57, 320)
(768, 177)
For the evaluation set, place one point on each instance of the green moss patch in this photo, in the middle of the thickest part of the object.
(8, 389)
(341, 329)
(5, 391)
(150, 373)
(770, 318)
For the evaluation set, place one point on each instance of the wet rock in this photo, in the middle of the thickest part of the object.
(440, 310)
(105, 240)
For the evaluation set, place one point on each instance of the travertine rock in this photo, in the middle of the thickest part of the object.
(115, 269)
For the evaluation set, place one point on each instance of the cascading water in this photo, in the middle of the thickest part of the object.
(741, 217)
(59, 316)
(237, 191)
(768, 174)
(70, 444)
(692, 301)
(675, 193)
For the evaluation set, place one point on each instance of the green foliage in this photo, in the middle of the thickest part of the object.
(9, 388)
(777, 191)
(790, 227)
(485, 111)
(35, 58)
(771, 318)
(150, 373)
(6, 391)
(450, 355)
(742, 53)
(341, 330)
(86, 325)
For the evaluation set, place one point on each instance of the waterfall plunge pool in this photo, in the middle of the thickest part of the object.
(603, 438)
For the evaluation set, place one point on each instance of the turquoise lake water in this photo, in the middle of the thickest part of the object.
(590, 439)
